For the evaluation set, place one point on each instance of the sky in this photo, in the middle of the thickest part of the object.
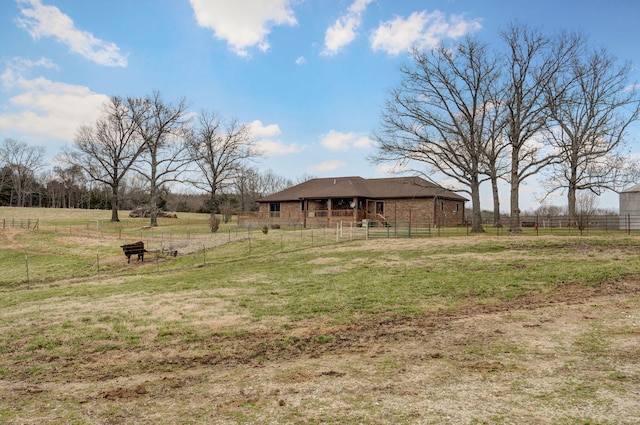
(309, 76)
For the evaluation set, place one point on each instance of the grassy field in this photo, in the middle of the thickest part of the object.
(298, 327)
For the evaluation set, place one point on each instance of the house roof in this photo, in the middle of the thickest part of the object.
(635, 188)
(351, 187)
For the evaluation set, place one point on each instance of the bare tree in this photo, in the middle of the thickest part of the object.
(586, 205)
(303, 178)
(496, 154)
(250, 184)
(107, 150)
(23, 162)
(440, 115)
(6, 191)
(220, 152)
(73, 184)
(271, 183)
(589, 128)
(532, 62)
(162, 127)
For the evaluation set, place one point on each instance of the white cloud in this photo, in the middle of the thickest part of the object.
(276, 147)
(391, 168)
(49, 109)
(265, 142)
(48, 21)
(259, 130)
(243, 23)
(330, 165)
(632, 87)
(343, 31)
(420, 29)
(301, 60)
(17, 67)
(337, 141)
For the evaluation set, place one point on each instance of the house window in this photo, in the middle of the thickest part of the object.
(274, 209)
(441, 205)
(457, 207)
(379, 207)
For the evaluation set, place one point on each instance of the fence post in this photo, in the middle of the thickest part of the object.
(26, 262)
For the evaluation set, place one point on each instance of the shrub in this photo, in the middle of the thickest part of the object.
(214, 224)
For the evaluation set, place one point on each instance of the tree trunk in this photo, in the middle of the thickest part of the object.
(571, 203)
(496, 202)
(514, 219)
(153, 195)
(213, 221)
(476, 211)
(153, 206)
(114, 203)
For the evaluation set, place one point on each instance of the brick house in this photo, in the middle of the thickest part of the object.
(324, 202)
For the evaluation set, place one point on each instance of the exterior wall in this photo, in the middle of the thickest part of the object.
(422, 212)
(290, 215)
(425, 211)
(629, 206)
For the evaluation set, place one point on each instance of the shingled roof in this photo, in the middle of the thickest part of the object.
(351, 187)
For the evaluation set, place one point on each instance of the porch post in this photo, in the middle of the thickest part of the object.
(305, 207)
(355, 210)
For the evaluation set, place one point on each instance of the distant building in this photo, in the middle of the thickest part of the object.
(630, 208)
(326, 201)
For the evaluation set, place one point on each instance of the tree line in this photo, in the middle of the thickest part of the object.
(137, 151)
(550, 106)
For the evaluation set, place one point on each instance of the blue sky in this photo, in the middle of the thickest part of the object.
(310, 76)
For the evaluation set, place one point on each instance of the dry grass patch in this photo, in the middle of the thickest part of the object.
(265, 340)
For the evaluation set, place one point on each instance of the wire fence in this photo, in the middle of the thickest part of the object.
(191, 237)
(22, 223)
(105, 240)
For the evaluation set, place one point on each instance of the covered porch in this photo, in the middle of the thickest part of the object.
(315, 212)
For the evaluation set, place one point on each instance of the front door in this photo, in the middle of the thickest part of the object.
(375, 210)
(380, 209)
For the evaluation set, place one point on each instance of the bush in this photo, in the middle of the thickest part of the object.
(214, 224)
(265, 229)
